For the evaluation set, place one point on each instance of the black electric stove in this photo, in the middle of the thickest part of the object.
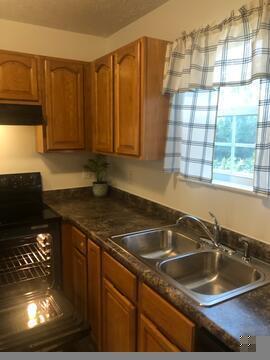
(34, 313)
(21, 201)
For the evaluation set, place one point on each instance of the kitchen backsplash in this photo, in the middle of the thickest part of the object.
(229, 238)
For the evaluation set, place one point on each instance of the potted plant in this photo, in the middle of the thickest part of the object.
(98, 166)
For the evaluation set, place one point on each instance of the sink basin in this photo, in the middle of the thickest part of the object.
(212, 276)
(158, 244)
(206, 274)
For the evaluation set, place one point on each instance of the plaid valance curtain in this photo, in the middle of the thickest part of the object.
(191, 134)
(234, 52)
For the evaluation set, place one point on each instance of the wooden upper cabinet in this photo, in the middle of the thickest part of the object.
(18, 77)
(64, 97)
(140, 111)
(103, 104)
(127, 100)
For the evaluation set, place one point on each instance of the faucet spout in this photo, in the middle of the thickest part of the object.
(216, 229)
(213, 237)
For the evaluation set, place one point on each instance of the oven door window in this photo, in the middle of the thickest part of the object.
(25, 265)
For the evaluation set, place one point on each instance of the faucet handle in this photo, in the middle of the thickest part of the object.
(246, 245)
(214, 218)
(244, 241)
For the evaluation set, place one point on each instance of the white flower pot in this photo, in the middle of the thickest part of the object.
(100, 189)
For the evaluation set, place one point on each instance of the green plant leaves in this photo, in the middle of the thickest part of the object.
(98, 166)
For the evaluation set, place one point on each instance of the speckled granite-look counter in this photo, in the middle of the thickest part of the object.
(248, 314)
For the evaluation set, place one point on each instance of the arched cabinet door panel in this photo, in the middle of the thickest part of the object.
(103, 104)
(119, 321)
(64, 96)
(127, 100)
(18, 77)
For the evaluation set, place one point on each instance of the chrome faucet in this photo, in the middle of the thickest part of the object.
(216, 229)
(215, 237)
(243, 241)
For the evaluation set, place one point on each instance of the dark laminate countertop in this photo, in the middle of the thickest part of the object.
(248, 314)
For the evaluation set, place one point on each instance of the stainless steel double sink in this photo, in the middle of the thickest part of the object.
(208, 275)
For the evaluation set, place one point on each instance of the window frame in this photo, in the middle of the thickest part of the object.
(242, 180)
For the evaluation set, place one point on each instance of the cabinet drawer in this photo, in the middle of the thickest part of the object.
(79, 240)
(174, 325)
(120, 277)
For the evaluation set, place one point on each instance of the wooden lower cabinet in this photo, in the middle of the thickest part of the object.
(150, 339)
(67, 275)
(122, 319)
(119, 321)
(94, 292)
(79, 271)
(124, 315)
(173, 324)
(74, 267)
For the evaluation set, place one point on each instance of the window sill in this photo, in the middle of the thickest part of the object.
(231, 186)
(240, 189)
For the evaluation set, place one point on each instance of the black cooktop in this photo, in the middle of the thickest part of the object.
(17, 218)
(21, 201)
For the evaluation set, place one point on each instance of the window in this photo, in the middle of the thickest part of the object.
(234, 153)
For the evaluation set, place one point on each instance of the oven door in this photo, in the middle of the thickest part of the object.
(34, 313)
(39, 322)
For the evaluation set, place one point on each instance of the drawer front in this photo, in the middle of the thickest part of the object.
(174, 325)
(79, 240)
(120, 277)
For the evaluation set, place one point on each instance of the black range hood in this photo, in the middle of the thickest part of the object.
(16, 114)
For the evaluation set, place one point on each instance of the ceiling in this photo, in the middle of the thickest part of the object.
(95, 17)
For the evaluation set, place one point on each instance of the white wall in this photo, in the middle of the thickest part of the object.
(171, 19)
(17, 143)
(244, 213)
(237, 211)
(18, 154)
(51, 42)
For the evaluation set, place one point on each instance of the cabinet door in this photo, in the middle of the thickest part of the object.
(127, 100)
(94, 291)
(18, 77)
(103, 104)
(79, 271)
(167, 319)
(67, 252)
(64, 105)
(119, 321)
(151, 339)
